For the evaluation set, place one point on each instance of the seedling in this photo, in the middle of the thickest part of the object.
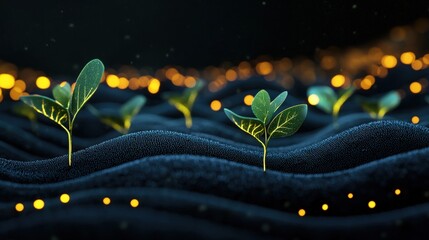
(67, 104)
(377, 108)
(262, 128)
(184, 102)
(328, 100)
(121, 120)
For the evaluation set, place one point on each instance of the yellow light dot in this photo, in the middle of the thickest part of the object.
(15, 94)
(20, 85)
(19, 207)
(38, 204)
(389, 61)
(371, 204)
(397, 191)
(338, 80)
(154, 86)
(313, 99)
(415, 119)
(7, 81)
(301, 212)
(65, 198)
(248, 99)
(112, 81)
(325, 207)
(123, 83)
(215, 105)
(366, 84)
(350, 195)
(417, 65)
(231, 75)
(264, 68)
(415, 87)
(407, 57)
(190, 81)
(106, 201)
(134, 203)
(43, 82)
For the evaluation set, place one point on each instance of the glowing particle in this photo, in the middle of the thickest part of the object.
(38, 204)
(264, 68)
(112, 81)
(325, 207)
(20, 85)
(19, 207)
(416, 87)
(313, 99)
(215, 105)
(106, 201)
(367, 82)
(154, 86)
(301, 212)
(397, 191)
(190, 81)
(65, 198)
(7, 81)
(407, 57)
(134, 203)
(417, 65)
(123, 83)
(248, 99)
(371, 204)
(338, 80)
(389, 61)
(350, 195)
(43, 82)
(415, 119)
(231, 75)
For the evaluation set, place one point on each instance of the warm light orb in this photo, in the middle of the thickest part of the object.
(417, 65)
(325, 207)
(350, 195)
(38, 204)
(397, 191)
(65, 198)
(106, 201)
(407, 57)
(43, 82)
(338, 80)
(389, 61)
(112, 81)
(7, 81)
(154, 86)
(20, 85)
(134, 203)
(313, 99)
(248, 99)
(231, 75)
(301, 212)
(215, 105)
(19, 207)
(371, 204)
(415, 119)
(416, 87)
(190, 81)
(264, 68)
(123, 83)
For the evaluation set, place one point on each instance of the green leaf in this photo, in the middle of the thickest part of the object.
(62, 94)
(48, 107)
(343, 96)
(327, 97)
(86, 84)
(261, 106)
(252, 126)
(25, 110)
(389, 101)
(288, 121)
(277, 102)
(132, 107)
(370, 107)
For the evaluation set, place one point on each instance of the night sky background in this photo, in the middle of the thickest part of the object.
(59, 36)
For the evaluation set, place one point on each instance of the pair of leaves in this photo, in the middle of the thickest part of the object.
(121, 120)
(378, 107)
(65, 105)
(329, 101)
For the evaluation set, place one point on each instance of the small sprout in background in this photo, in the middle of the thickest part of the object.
(64, 109)
(27, 112)
(286, 123)
(121, 120)
(327, 100)
(377, 108)
(184, 102)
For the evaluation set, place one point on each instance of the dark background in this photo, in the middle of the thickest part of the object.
(59, 36)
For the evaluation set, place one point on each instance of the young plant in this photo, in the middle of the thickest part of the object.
(184, 102)
(327, 100)
(377, 108)
(66, 105)
(262, 128)
(121, 120)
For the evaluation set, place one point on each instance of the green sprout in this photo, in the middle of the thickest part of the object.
(262, 128)
(65, 107)
(378, 107)
(184, 102)
(327, 100)
(121, 120)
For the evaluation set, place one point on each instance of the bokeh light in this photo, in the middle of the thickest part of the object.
(389, 61)
(248, 99)
(7, 81)
(112, 81)
(38, 204)
(313, 99)
(415, 119)
(106, 201)
(407, 57)
(215, 105)
(19, 207)
(154, 86)
(301, 212)
(416, 87)
(43, 82)
(371, 204)
(134, 203)
(338, 80)
(65, 198)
